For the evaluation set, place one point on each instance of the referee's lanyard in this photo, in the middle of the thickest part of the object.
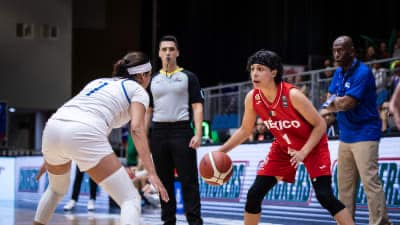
(345, 76)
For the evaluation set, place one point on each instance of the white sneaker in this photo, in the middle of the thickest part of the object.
(90, 205)
(153, 199)
(70, 205)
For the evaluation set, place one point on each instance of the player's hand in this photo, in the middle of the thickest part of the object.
(195, 142)
(39, 175)
(297, 157)
(131, 172)
(42, 170)
(156, 182)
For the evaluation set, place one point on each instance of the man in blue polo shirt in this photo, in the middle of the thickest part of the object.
(352, 94)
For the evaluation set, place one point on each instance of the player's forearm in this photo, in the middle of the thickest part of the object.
(147, 119)
(335, 103)
(140, 139)
(315, 137)
(343, 103)
(394, 106)
(236, 139)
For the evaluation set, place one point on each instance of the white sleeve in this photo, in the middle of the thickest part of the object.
(137, 93)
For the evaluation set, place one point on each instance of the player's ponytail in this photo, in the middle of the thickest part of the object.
(133, 64)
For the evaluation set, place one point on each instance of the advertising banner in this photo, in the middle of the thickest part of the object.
(290, 201)
(284, 202)
(7, 176)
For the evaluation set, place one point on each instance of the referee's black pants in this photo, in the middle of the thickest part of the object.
(77, 186)
(169, 144)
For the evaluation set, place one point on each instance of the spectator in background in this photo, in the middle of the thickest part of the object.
(396, 48)
(261, 132)
(299, 82)
(325, 78)
(353, 96)
(370, 54)
(381, 83)
(383, 52)
(332, 128)
(290, 78)
(327, 65)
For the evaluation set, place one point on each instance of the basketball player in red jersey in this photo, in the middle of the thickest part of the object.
(300, 136)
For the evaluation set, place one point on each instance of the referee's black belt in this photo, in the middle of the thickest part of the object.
(177, 124)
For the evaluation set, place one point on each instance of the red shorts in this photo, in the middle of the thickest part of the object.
(277, 163)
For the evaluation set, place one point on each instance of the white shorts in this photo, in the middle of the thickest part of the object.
(64, 141)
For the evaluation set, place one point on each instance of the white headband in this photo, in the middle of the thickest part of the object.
(139, 69)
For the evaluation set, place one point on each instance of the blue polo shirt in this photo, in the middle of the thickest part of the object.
(361, 123)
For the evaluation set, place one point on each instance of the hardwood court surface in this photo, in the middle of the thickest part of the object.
(22, 213)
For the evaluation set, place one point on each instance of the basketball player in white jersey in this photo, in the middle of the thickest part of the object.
(79, 131)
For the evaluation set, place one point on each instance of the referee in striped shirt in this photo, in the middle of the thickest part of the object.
(176, 99)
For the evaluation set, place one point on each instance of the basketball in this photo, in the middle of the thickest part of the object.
(215, 168)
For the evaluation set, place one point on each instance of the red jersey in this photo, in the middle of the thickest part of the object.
(290, 129)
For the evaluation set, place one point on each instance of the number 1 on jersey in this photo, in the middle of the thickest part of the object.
(96, 89)
(286, 138)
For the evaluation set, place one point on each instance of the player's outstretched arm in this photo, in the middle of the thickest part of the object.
(246, 128)
(139, 137)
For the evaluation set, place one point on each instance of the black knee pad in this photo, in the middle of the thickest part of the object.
(257, 191)
(324, 194)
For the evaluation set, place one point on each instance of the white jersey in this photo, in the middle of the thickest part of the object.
(104, 103)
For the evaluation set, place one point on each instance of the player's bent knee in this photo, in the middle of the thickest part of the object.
(329, 202)
(252, 207)
(256, 193)
(254, 200)
(59, 183)
(119, 186)
(324, 194)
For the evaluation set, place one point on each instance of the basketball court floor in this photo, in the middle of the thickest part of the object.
(22, 212)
